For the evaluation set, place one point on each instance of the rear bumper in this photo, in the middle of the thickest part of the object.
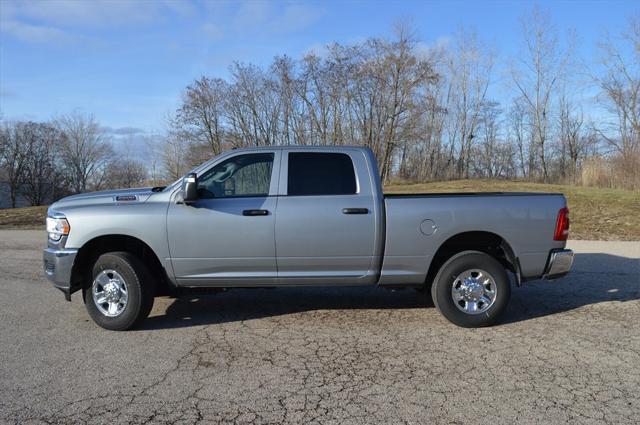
(558, 264)
(57, 267)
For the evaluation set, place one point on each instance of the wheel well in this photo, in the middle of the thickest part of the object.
(89, 253)
(486, 242)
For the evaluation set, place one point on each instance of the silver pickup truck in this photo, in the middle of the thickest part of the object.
(284, 216)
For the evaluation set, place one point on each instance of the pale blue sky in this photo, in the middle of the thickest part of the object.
(127, 62)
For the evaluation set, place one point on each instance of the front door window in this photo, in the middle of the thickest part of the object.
(240, 176)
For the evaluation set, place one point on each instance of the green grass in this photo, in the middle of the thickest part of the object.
(596, 214)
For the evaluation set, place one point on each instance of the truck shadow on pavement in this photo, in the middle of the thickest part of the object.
(595, 278)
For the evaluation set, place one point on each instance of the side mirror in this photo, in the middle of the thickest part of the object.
(189, 192)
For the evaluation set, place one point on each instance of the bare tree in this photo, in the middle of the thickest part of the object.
(470, 65)
(406, 73)
(85, 150)
(15, 154)
(425, 157)
(536, 76)
(43, 175)
(620, 90)
(200, 116)
(283, 69)
(125, 173)
(576, 138)
(314, 94)
(493, 157)
(520, 136)
(4, 139)
(254, 108)
(174, 157)
(154, 156)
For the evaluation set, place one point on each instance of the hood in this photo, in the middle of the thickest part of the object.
(119, 196)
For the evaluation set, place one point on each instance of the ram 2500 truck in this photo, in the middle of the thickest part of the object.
(283, 216)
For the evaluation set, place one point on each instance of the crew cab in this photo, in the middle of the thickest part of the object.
(285, 216)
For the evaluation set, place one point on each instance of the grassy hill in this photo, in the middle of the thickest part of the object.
(596, 214)
(25, 218)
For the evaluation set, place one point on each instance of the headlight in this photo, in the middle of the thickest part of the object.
(57, 228)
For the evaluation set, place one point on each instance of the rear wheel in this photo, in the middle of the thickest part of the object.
(120, 295)
(471, 289)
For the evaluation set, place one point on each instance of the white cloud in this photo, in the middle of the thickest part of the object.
(254, 16)
(212, 31)
(88, 14)
(35, 33)
(182, 8)
(426, 50)
(123, 131)
(54, 21)
(64, 21)
(296, 17)
(250, 18)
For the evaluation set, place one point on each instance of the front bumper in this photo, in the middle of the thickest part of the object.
(57, 267)
(558, 264)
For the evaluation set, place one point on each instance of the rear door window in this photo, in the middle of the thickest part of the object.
(320, 173)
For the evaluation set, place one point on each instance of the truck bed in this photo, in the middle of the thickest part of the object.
(417, 224)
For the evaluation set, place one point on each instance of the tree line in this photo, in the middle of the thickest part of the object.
(42, 162)
(431, 113)
(448, 111)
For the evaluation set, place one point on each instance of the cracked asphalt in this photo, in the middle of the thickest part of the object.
(567, 351)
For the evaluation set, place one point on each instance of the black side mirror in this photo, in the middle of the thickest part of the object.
(189, 192)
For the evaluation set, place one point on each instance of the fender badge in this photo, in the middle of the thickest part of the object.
(126, 198)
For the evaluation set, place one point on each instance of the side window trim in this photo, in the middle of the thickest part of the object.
(275, 172)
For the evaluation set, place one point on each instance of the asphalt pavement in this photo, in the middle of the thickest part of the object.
(567, 351)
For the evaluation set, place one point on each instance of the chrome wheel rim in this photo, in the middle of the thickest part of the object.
(474, 291)
(110, 294)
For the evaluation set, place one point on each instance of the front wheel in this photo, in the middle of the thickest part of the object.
(120, 295)
(471, 290)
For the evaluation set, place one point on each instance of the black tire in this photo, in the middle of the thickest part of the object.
(140, 291)
(441, 290)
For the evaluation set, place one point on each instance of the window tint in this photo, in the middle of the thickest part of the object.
(320, 174)
(242, 175)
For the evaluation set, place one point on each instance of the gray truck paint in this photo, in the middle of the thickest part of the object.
(305, 240)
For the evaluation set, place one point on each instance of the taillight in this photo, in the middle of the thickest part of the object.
(562, 225)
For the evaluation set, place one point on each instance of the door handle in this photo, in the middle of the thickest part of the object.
(253, 213)
(355, 211)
